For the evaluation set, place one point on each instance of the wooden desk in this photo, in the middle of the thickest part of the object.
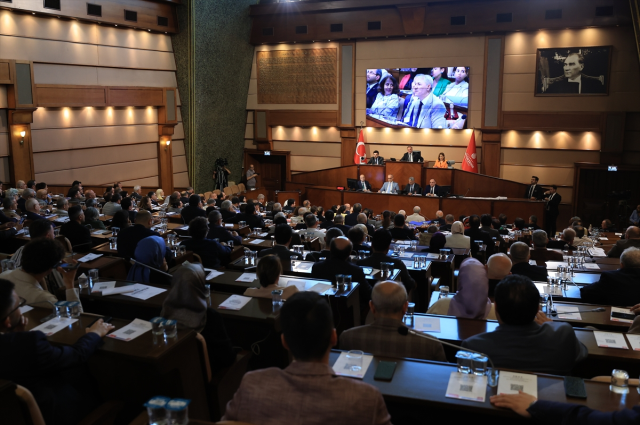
(121, 305)
(137, 370)
(263, 244)
(602, 267)
(105, 249)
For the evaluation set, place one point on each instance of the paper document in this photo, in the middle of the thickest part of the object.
(345, 367)
(61, 219)
(602, 238)
(98, 232)
(54, 325)
(25, 308)
(304, 267)
(511, 383)
(621, 311)
(131, 331)
(144, 292)
(101, 286)
(247, 277)
(228, 225)
(256, 241)
(320, 288)
(408, 263)
(465, 386)
(426, 324)
(597, 252)
(89, 257)
(634, 340)
(212, 273)
(610, 340)
(591, 266)
(262, 235)
(533, 263)
(184, 228)
(618, 234)
(298, 283)
(433, 256)
(121, 290)
(19, 232)
(402, 242)
(568, 313)
(234, 302)
(406, 255)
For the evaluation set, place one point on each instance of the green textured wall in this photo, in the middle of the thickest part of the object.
(220, 69)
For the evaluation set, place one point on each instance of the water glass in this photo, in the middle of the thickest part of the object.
(61, 309)
(73, 308)
(443, 254)
(299, 249)
(83, 281)
(416, 262)
(464, 359)
(479, 363)
(444, 292)
(247, 256)
(396, 249)
(242, 223)
(423, 262)
(26, 232)
(257, 231)
(207, 293)
(8, 264)
(492, 377)
(339, 280)
(619, 378)
(411, 308)
(544, 299)
(115, 230)
(170, 329)
(354, 360)
(414, 245)
(113, 242)
(401, 249)
(157, 326)
(171, 239)
(178, 411)
(230, 243)
(276, 297)
(346, 280)
(479, 244)
(273, 240)
(93, 277)
(156, 410)
(174, 251)
(294, 261)
(254, 258)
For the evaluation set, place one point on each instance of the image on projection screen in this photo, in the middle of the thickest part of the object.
(418, 97)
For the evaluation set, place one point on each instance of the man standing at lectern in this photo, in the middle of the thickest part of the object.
(433, 189)
(363, 185)
(534, 191)
(411, 156)
(389, 186)
(376, 159)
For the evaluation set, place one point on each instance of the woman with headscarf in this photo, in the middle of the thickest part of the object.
(472, 299)
(268, 271)
(437, 242)
(150, 251)
(186, 303)
(457, 239)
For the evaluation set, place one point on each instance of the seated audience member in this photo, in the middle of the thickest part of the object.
(486, 225)
(338, 221)
(472, 299)
(211, 206)
(39, 258)
(150, 251)
(436, 243)
(476, 234)
(175, 204)
(42, 198)
(145, 204)
(75, 230)
(632, 239)
(439, 220)
(121, 220)
(137, 193)
(90, 194)
(416, 215)
(617, 287)
(581, 238)
(448, 222)
(268, 271)
(129, 237)
(283, 234)
(315, 256)
(328, 220)
(26, 195)
(518, 224)
(607, 226)
(520, 254)
(566, 241)
(212, 253)
(186, 303)
(351, 219)
(62, 207)
(504, 228)
(400, 231)
(524, 339)
(218, 231)
(312, 229)
(228, 213)
(57, 376)
(127, 205)
(298, 214)
(533, 223)
(634, 219)
(153, 197)
(290, 206)
(380, 245)
(540, 253)
(113, 205)
(74, 193)
(40, 229)
(358, 237)
(425, 237)
(381, 338)
(193, 209)
(10, 206)
(386, 220)
(457, 239)
(308, 388)
(32, 209)
(249, 216)
(91, 218)
(498, 267)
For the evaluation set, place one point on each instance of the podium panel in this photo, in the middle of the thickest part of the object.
(401, 172)
(378, 202)
(465, 207)
(374, 174)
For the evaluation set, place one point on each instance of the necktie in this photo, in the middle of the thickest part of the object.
(531, 192)
(416, 116)
(411, 189)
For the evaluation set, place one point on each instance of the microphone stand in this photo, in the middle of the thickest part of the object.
(133, 262)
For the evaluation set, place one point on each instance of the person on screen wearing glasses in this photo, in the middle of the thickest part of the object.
(458, 92)
(424, 110)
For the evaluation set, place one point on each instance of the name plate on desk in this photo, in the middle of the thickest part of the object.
(610, 340)
(466, 386)
(511, 383)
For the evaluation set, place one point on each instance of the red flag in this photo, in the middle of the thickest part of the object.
(470, 161)
(360, 152)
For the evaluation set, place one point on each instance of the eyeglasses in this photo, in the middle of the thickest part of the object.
(22, 303)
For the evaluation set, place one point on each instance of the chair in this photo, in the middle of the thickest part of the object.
(30, 405)
(235, 189)
(204, 356)
(207, 195)
(65, 242)
(217, 191)
(228, 191)
(242, 188)
(230, 382)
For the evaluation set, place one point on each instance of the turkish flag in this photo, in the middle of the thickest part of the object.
(360, 152)
(470, 161)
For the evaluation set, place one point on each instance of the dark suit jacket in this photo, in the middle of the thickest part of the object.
(377, 257)
(213, 254)
(223, 235)
(588, 86)
(436, 191)
(480, 235)
(538, 192)
(21, 207)
(136, 196)
(56, 375)
(315, 256)
(228, 215)
(445, 228)
(535, 273)
(283, 253)
(344, 228)
(32, 216)
(621, 245)
(416, 157)
(376, 161)
(551, 412)
(326, 224)
(329, 268)
(372, 94)
(252, 220)
(351, 219)
(550, 348)
(554, 244)
(616, 287)
(416, 189)
(78, 235)
(552, 205)
(188, 213)
(542, 255)
(209, 209)
(402, 234)
(128, 239)
(363, 186)
(490, 230)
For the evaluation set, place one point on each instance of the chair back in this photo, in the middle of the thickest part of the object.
(235, 189)
(228, 191)
(242, 188)
(207, 195)
(30, 406)
(217, 192)
(204, 356)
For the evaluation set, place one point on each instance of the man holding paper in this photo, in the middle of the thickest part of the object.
(56, 375)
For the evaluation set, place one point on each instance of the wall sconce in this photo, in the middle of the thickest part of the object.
(167, 143)
(22, 134)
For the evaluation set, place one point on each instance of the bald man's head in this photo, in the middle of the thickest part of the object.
(439, 214)
(498, 266)
(633, 232)
(144, 218)
(389, 299)
(341, 248)
(362, 218)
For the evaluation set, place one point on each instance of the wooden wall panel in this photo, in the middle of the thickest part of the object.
(149, 182)
(553, 121)
(305, 134)
(130, 58)
(522, 173)
(122, 96)
(332, 178)
(584, 141)
(491, 158)
(5, 73)
(103, 174)
(329, 150)
(4, 144)
(547, 157)
(181, 180)
(30, 49)
(179, 164)
(79, 138)
(45, 73)
(324, 198)
(302, 118)
(3, 96)
(4, 170)
(311, 163)
(177, 147)
(71, 96)
(49, 118)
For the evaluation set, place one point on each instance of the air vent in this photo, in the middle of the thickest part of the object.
(336, 27)
(94, 10)
(52, 4)
(604, 11)
(458, 20)
(267, 31)
(374, 26)
(553, 14)
(502, 18)
(163, 22)
(301, 29)
(130, 15)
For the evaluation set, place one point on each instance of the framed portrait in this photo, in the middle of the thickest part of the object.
(573, 71)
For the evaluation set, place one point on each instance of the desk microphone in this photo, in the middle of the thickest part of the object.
(404, 331)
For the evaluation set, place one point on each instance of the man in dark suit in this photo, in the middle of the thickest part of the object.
(362, 219)
(228, 213)
(520, 254)
(250, 217)
(412, 188)
(400, 231)
(75, 231)
(217, 230)
(534, 191)
(315, 256)
(433, 189)
(552, 211)
(376, 159)
(129, 237)
(32, 209)
(291, 205)
(127, 205)
(567, 239)
(411, 156)
(357, 237)
(338, 221)
(328, 220)
(485, 225)
(193, 210)
(57, 376)
(363, 185)
(533, 223)
(632, 239)
(540, 253)
(476, 234)
(525, 340)
(211, 252)
(373, 82)
(574, 81)
(618, 287)
(381, 243)
(352, 218)
(283, 235)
